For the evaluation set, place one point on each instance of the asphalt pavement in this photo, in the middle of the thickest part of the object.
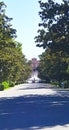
(34, 106)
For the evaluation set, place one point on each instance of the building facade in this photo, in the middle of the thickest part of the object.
(34, 64)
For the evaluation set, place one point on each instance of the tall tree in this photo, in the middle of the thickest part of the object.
(55, 23)
(12, 60)
(53, 67)
(6, 41)
(53, 35)
(6, 30)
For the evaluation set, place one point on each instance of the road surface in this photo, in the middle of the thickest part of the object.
(34, 107)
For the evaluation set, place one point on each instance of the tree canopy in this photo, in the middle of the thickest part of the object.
(53, 36)
(13, 64)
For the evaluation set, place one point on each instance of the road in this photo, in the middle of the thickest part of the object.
(34, 107)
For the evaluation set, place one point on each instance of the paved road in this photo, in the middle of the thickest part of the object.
(34, 107)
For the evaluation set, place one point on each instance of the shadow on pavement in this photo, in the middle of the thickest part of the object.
(26, 112)
(36, 86)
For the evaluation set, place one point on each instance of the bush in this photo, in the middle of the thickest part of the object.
(5, 84)
(66, 84)
(11, 84)
(55, 83)
(1, 87)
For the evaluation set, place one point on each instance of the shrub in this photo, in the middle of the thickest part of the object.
(66, 84)
(11, 84)
(5, 84)
(1, 87)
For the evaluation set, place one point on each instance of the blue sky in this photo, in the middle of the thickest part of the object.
(25, 21)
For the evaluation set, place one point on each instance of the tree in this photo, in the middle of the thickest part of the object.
(13, 64)
(53, 67)
(6, 41)
(53, 36)
(44, 67)
(55, 23)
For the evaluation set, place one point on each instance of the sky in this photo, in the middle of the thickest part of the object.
(25, 21)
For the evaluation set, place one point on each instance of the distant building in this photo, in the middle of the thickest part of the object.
(34, 76)
(34, 64)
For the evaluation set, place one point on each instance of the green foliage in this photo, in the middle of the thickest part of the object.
(5, 84)
(66, 84)
(11, 84)
(13, 65)
(54, 33)
(1, 87)
(53, 36)
(53, 67)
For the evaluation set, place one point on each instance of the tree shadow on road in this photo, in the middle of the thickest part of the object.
(33, 111)
(36, 86)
